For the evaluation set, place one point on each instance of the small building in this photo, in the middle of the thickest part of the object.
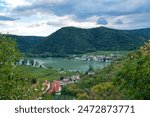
(75, 78)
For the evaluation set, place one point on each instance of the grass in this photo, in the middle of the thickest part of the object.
(42, 74)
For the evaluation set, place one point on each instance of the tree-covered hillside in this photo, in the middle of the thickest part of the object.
(142, 32)
(71, 40)
(25, 43)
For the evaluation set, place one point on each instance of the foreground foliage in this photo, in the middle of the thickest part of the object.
(12, 84)
(134, 78)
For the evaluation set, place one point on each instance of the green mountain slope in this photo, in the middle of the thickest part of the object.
(142, 32)
(71, 40)
(112, 39)
(66, 41)
(25, 43)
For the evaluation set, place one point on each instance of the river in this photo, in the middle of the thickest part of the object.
(70, 64)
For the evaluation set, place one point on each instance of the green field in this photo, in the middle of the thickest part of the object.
(42, 73)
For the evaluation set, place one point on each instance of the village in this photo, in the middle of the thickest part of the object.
(97, 58)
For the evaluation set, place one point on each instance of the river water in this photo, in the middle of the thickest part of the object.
(70, 64)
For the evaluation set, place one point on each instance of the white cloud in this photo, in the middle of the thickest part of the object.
(15, 3)
(48, 1)
(45, 25)
(7, 23)
(22, 29)
(42, 17)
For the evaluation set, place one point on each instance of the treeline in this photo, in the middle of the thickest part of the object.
(128, 78)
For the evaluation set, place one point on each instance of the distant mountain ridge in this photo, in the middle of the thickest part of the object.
(25, 43)
(72, 40)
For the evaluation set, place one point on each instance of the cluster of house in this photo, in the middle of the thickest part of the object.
(98, 58)
(55, 87)
(69, 79)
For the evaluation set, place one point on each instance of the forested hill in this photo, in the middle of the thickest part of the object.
(142, 32)
(72, 40)
(25, 43)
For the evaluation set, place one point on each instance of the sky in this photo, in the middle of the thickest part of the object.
(43, 17)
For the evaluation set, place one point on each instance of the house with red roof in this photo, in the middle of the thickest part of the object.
(52, 88)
